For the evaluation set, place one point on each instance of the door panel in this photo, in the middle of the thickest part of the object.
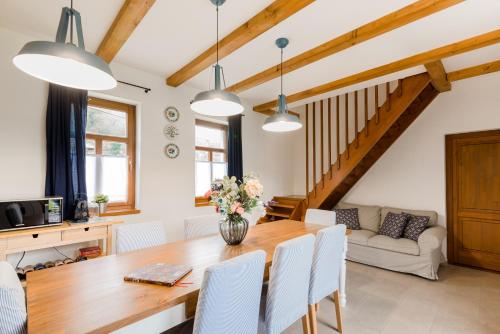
(473, 198)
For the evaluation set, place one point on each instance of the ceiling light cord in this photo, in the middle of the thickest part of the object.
(217, 10)
(281, 70)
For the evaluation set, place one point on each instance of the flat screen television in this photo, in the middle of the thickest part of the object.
(22, 214)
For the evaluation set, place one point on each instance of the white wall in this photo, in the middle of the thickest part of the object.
(166, 187)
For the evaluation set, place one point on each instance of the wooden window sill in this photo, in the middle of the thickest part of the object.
(111, 213)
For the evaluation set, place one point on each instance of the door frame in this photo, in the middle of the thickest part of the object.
(450, 141)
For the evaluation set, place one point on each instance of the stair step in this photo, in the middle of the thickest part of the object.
(280, 205)
(278, 214)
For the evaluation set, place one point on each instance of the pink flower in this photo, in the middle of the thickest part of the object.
(208, 194)
(235, 207)
(240, 211)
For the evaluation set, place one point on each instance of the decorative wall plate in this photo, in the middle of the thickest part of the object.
(171, 131)
(172, 114)
(172, 151)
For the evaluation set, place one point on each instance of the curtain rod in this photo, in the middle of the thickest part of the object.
(146, 89)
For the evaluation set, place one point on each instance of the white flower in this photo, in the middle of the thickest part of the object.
(253, 188)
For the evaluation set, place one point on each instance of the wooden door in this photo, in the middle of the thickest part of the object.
(473, 199)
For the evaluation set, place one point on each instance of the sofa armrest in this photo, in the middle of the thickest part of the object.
(431, 239)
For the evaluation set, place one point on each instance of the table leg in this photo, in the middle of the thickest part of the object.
(109, 240)
(343, 295)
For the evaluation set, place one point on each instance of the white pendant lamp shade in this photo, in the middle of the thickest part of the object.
(63, 63)
(282, 121)
(217, 102)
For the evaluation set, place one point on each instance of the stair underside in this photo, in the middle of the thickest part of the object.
(417, 94)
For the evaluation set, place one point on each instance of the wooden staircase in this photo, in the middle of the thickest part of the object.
(364, 146)
(284, 207)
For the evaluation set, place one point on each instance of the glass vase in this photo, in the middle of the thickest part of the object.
(233, 231)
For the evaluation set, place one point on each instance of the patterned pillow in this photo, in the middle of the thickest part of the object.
(348, 217)
(394, 225)
(416, 225)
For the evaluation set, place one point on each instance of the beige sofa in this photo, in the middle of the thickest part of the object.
(421, 258)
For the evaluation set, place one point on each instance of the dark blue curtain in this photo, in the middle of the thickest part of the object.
(65, 133)
(234, 148)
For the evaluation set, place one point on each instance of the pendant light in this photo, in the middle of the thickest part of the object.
(217, 102)
(282, 121)
(64, 63)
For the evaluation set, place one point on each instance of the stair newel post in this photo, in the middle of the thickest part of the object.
(330, 136)
(387, 96)
(337, 110)
(314, 147)
(356, 131)
(346, 109)
(366, 112)
(307, 153)
(321, 141)
(376, 105)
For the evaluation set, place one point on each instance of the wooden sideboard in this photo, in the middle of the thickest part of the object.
(68, 233)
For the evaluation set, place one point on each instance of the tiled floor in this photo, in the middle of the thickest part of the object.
(380, 301)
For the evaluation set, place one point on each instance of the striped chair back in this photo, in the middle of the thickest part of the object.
(201, 226)
(130, 237)
(12, 301)
(320, 217)
(230, 294)
(327, 260)
(286, 300)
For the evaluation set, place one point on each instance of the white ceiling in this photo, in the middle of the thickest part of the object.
(174, 32)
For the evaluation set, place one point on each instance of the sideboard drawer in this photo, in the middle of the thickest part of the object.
(33, 241)
(85, 233)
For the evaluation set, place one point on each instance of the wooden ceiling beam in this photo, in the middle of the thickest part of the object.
(474, 71)
(128, 18)
(453, 49)
(273, 14)
(394, 20)
(438, 76)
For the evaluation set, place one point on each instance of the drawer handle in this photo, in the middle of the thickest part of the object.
(86, 229)
(35, 236)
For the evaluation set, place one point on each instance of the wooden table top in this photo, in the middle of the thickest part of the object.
(92, 297)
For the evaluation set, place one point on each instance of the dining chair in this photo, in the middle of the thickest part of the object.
(201, 226)
(288, 288)
(325, 272)
(12, 301)
(229, 297)
(320, 217)
(130, 237)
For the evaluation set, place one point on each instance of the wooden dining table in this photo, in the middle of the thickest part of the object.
(92, 296)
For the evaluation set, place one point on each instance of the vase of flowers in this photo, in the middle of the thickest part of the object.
(102, 202)
(232, 199)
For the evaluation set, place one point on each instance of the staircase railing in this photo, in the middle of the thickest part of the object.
(350, 113)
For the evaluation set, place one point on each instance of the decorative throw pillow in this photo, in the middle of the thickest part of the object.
(416, 225)
(348, 217)
(394, 225)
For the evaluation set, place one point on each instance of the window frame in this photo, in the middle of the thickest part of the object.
(200, 200)
(129, 205)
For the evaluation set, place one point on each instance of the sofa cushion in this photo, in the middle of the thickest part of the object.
(402, 245)
(348, 217)
(369, 215)
(416, 225)
(394, 225)
(431, 214)
(360, 237)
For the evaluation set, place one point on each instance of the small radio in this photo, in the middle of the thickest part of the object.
(23, 214)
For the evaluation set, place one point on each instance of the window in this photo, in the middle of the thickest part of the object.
(110, 147)
(210, 156)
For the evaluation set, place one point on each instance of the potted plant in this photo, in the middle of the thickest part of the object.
(102, 202)
(232, 199)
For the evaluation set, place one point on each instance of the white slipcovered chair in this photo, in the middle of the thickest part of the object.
(229, 297)
(130, 237)
(325, 271)
(320, 217)
(288, 289)
(201, 226)
(12, 301)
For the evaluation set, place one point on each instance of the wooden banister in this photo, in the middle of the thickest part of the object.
(330, 136)
(366, 112)
(314, 146)
(321, 144)
(338, 131)
(346, 109)
(356, 138)
(307, 151)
